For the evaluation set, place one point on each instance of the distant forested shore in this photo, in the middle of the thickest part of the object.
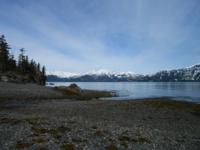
(19, 70)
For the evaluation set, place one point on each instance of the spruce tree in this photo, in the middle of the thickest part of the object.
(43, 75)
(12, 63)
(4, 54)
(29, 71)
(21, 61)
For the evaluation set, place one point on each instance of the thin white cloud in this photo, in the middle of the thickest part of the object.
(71, 36)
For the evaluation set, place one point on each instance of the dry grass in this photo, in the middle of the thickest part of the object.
(22, 145)
(142, 140)
(99, 132)
(11, 121)
(175, 105)
(111, 147)
(68, 146)
(38, 140)
(55, 132)
(124, 138)
(33, 121)
(83, 94)
(42, 148)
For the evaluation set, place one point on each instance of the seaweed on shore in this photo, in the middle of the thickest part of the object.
(75, 92)
(175, 105)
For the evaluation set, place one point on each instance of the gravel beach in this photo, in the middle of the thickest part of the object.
(66, 124)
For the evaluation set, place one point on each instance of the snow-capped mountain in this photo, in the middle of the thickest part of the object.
(100, 72)
(185, 74)
(62, 74)
(95, 75)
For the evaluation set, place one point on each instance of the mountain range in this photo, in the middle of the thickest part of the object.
(185, 74)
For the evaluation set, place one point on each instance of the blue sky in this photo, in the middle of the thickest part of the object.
(143, 36)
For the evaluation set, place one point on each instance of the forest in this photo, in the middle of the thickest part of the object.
(22, 69)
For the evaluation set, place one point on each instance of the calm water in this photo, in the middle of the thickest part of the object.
(130, 90)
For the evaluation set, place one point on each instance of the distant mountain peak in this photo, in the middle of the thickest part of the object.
(195, 65)
(62, 74)
(102, 75)
(98, 72)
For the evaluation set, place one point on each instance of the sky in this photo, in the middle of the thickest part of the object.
(142, 36)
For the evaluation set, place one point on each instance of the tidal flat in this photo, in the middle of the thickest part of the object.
(40, 118)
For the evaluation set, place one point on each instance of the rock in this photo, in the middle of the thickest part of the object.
(72, 89)
(73, 85)
(75, 88)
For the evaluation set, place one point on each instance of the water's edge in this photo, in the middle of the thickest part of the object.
(188, 91)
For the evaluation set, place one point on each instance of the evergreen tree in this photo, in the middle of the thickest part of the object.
(29, 71)
(43, 75)
(26, 65)
(38, 67)
(4, 54)
(12, 63)
(32, 67)
(20, 60)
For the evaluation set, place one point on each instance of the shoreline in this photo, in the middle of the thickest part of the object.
(182, 91)
(165, 98)
(69, 124)
(29, 91)
(98, 124)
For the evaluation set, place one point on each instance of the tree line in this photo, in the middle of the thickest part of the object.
(29, 69)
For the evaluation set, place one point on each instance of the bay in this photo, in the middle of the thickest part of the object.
(189, 91)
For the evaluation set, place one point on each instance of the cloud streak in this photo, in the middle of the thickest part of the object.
(81, 35)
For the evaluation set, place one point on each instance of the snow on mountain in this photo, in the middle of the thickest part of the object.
(193, 66)
(99, 72)
(62, 74)
(185, 74)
